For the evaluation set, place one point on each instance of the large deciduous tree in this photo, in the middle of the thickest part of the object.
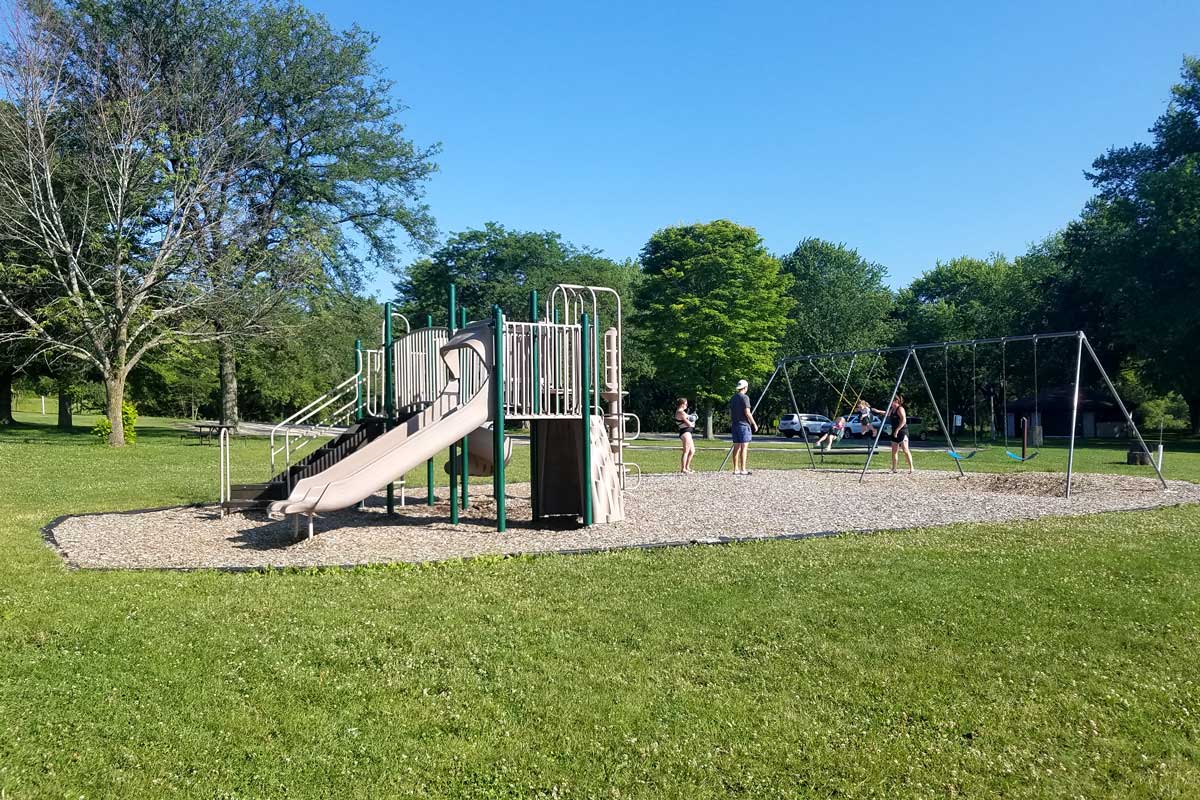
(713, 308)
(497, 266)
(842, 303)
(1134, 256)
(114, 155)
(969, 298)
(331, 183)
(842, 300)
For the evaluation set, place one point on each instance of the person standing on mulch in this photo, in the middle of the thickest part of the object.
(687, 426)
(742, 424)
(899, 436)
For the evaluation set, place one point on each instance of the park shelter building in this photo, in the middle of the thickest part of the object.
(1099, 416)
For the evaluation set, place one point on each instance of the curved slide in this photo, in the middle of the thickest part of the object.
(388, 458)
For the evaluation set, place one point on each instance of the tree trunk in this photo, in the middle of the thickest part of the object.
(1193, 403)
(708, 422)
(114, 391)
(64, 406)
(6, 395)
(229, 388)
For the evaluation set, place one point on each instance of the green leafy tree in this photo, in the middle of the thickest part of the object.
(332, 185)
(970, 298)
(498, 266)
(316, 343)
(113, 153)
(1132, 257)
(842, 302)
(494, 265)
(713, 308)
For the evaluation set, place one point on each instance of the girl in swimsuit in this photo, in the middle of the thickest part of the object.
(684, 422)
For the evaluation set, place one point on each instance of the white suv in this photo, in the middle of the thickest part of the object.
(791, 424)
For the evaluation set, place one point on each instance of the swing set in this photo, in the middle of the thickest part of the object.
(911, 354)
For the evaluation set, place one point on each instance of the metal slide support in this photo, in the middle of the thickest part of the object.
(937, 411)
(465, 475)
(358, 395)
(766, 389)
(453, 457)
(498, 418)
(796, 408)
(882, 422)
(1074, 413)
(535, 499)
(585, 355)
(430, 497)
(389, 390)
(1124, 410)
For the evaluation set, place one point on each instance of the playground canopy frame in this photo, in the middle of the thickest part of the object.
(910, 352)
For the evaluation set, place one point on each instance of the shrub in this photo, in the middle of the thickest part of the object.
(129, 416)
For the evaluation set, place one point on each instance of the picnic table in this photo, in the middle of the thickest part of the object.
(204, 431)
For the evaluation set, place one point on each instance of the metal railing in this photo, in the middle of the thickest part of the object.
(419, 373)
(224, 469)
(330, 409)
(554, 390)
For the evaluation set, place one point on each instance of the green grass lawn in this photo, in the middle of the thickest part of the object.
(1052, 658)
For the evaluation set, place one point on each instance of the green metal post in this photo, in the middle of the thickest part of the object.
(585, 376)
(358, 382)
(453, 448)
(389, 390)
(465, 473)
(498, 417)
(429, 365)
(534, 455)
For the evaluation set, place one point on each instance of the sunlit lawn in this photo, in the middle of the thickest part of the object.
(1053, 658)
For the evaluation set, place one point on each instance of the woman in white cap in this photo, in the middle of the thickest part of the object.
(742, 424)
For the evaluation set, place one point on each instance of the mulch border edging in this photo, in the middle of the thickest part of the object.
(49, 538)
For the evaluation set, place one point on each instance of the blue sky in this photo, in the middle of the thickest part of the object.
(912, 132)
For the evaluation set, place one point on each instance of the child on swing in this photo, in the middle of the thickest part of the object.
(864, 418)
(833, 435)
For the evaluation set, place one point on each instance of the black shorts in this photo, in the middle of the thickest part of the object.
(686, 430)
(899, 436)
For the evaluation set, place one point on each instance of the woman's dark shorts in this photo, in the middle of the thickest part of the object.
(900, 435)
(741, 433)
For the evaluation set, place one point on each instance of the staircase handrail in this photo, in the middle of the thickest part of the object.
(314, 408)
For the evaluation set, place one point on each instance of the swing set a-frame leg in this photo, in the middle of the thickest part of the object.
(879, 433)
(938, 412)
(796, 409)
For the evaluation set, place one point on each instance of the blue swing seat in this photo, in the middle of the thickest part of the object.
(1016, 457)
(957, 456)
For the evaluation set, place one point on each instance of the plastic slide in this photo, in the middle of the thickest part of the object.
(388, 458)
(480, 461)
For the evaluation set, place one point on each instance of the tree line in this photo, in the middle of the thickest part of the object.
(192, 194)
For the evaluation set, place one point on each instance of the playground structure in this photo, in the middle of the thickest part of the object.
(911, 356)
(455, 388)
